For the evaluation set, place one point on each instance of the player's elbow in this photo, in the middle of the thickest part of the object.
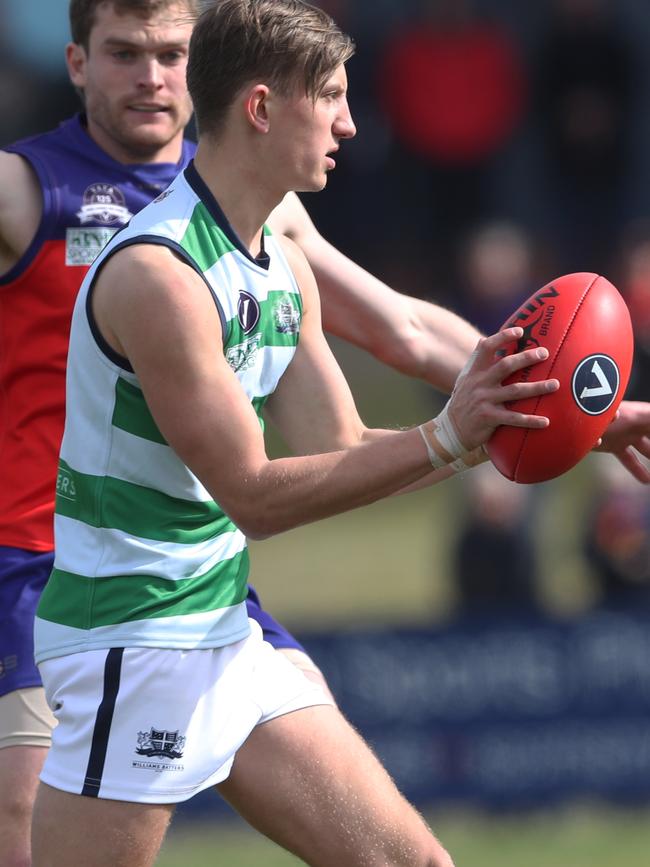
(405, 351)
(256, 520)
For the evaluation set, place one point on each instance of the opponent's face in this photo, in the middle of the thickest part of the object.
(310, 132)
(133, 78)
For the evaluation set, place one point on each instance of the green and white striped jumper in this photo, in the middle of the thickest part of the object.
(144, 555)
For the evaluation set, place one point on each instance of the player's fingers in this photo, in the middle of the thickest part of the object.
(488, 346)
(510, 364)
(523, 390)
(644, 446)
(521, 419)
(634, 466)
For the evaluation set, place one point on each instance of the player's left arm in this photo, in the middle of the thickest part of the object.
(628, 436)
(413, 336)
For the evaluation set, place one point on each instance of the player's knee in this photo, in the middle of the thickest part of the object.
(15, 825)
(16, 808)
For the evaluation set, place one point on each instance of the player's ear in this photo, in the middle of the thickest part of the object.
(75, 58)
(257, 107)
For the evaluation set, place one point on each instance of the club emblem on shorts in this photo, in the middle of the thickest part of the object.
(595, 384)
(160, 742)
(104, 203)
(286, 316)
(248, 311)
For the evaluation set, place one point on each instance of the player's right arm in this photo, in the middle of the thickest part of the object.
(165, 322)
(21, 206)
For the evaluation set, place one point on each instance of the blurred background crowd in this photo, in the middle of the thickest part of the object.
(500, 144)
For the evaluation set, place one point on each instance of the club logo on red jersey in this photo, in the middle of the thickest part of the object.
(104, 203)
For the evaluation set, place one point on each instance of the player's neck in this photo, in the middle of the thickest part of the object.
(241, 190)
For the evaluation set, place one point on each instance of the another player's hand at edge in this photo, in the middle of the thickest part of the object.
(628, 436)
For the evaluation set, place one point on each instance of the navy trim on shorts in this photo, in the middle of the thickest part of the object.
(99, 746)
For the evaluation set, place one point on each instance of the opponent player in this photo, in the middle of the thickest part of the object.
(163, 474)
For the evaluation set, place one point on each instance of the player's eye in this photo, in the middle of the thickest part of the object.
(172, 57)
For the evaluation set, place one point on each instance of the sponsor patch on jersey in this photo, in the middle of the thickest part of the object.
(82, 246)
(65, 486)
(244, 355)
(104, 203)
(286, 315)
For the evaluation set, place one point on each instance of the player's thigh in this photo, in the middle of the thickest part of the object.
(310, 783)
(19, 770)
(26, 725)
(72, 829)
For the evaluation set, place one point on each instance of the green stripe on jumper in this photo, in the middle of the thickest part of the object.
(86, 603)
(204, 240)
(102, 501)
(132, 414)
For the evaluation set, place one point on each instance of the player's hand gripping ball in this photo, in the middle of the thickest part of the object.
(584, 323)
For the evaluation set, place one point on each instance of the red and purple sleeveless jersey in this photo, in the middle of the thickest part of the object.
(87, 196)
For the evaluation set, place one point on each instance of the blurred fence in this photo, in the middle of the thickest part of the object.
(499, 713)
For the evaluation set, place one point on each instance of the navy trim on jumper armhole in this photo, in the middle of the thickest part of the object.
(103, 721)
(108, 350)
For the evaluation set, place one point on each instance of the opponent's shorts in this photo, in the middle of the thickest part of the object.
(22, 577)
(25, 718)
(274, 632)
(157, 726)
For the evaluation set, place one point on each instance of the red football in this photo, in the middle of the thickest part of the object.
(584, 323)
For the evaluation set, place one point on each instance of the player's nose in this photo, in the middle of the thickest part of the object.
(150, 74)
(345, 127)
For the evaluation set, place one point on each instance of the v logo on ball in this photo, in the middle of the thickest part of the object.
(595, 384)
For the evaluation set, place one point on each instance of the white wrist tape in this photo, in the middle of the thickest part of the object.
(445, 448)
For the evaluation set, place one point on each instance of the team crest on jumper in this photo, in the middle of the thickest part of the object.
(104, 203)
(244, 355)
(160, 742)
(286, 315)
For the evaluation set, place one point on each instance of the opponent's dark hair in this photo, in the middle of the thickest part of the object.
(286, 44)
(82, 13)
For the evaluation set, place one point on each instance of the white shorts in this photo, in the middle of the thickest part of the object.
(157, 726)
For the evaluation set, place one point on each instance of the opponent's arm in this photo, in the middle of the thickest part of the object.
(415, 337)
(628, 436)
(20, 208)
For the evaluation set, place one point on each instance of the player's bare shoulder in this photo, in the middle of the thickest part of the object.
(143, 283)
(21, 206)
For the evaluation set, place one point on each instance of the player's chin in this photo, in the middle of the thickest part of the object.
(150, 136)
(320, 182)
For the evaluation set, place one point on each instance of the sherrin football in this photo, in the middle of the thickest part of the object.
(584, 323)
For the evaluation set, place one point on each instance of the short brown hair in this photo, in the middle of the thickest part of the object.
(82, 13)
(287, 43)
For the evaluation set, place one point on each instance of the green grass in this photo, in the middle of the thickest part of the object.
(572, 837)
